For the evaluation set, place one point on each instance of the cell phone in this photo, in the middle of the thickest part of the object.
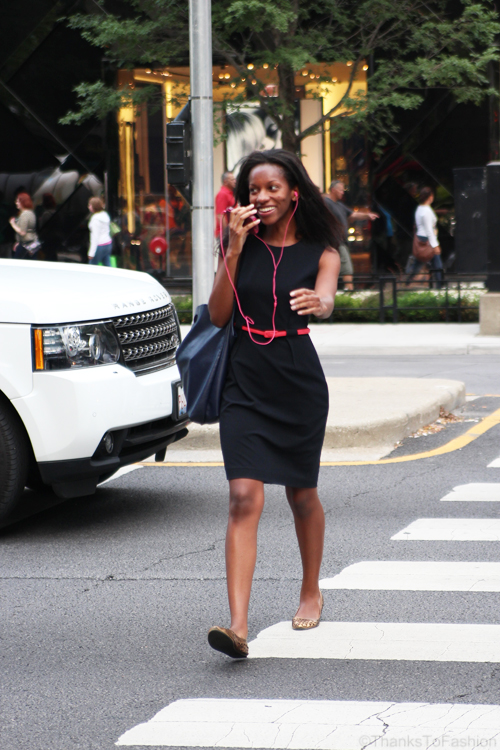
(255, 230)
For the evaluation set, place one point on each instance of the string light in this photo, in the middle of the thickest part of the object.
(304, 72)
(365, 67)
(250, 66)
(334, 80)
(312, 76)
(227, 75)
(254, 81)
(349, 63)
(265, 66)
(147, 71)
(233, 85)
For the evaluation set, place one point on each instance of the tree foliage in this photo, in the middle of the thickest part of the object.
(412, 45)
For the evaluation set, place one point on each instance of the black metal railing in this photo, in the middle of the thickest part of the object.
(400, 298)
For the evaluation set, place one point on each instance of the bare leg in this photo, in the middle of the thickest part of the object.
(309, 520)
(246, 501)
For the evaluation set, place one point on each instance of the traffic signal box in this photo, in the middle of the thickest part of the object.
(179, 172)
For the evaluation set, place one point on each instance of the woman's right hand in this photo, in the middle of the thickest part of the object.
(437, 250)
(238, 229)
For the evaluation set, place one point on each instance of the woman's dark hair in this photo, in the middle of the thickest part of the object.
(425, 194)
(313, 219)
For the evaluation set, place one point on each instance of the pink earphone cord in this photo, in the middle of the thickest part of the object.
(247, 319)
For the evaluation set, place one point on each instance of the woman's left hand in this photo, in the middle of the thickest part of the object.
(307, 302)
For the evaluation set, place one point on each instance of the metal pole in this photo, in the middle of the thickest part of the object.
(167, 206)
(200, 60)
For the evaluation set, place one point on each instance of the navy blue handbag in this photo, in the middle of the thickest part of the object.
(203, 359)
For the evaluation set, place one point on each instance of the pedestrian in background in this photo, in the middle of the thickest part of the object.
(24, 227)
(343, 213)
(101, 242)
(426, 231)
(275, 400)
(223, 200)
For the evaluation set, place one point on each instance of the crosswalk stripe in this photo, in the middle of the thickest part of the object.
(451, 529)
(380, 640)
(400, 575)
(474, 493)
(307, 724)
(494, 464)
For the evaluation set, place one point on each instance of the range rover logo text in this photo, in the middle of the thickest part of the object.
(140, 302)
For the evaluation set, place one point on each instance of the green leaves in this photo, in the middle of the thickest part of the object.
(98, 100)
(414, 45)
(259, 15)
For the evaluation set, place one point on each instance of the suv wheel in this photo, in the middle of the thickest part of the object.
(14, 458)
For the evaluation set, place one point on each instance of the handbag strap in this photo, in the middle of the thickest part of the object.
(276, 263)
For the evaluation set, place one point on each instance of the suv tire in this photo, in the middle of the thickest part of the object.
(14, 458)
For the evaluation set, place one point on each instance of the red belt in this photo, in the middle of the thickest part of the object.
(276, 334)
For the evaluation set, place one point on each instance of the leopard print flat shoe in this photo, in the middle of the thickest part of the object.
(227, 642)
(300, 623)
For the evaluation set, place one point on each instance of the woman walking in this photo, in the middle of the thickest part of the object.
(280, 258)
(24, 227)
(426, 231)
(100, 238)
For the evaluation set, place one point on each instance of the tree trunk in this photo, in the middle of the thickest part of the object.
(286, 79)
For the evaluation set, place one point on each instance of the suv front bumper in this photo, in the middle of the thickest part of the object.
(68, 413)
(80, 477)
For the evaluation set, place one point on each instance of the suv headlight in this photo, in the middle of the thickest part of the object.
(73, 346)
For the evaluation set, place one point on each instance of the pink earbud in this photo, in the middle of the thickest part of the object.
(295, 196)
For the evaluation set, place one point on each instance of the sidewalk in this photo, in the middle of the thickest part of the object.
(400, 338)
(367, 417)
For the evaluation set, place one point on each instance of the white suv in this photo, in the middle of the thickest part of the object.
(88, 378)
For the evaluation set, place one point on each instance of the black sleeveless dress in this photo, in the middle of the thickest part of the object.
(275, 401)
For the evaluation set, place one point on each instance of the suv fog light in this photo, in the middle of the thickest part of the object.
(108, 442)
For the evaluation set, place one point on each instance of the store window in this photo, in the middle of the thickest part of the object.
(349, 163)
(155, 218)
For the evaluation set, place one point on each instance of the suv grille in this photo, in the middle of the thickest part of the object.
(148, 340)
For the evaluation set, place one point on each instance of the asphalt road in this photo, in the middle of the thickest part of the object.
(106, 601)
(480, 373)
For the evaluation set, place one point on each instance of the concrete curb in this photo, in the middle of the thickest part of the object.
(364, 412)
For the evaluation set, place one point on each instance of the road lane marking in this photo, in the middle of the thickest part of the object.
(456, 444)
(402, 575)
(494, 464)
(451, 530)
(438, 642)
(308, 724)
(474, 493)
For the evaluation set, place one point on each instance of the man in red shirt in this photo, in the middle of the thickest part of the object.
(224, 200)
